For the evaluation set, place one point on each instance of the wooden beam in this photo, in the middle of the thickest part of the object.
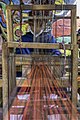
(12, 72)
(9, 25)
(37, 45)
(65, 17)
(74, 61)
(41, 7)
(5, 81)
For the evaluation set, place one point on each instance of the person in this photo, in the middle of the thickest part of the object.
(38, 33)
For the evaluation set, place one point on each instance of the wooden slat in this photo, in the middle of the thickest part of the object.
(37, 45)
(41, 7)
(74, 70)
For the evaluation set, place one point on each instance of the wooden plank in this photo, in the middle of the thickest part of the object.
(12, 74)
(41, 7)
(5, 81)
(74, 61)
(37, 45)
(9, 25)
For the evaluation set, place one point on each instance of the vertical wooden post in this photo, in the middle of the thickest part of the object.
(74, 60)
(9, 25)
(13, 70)
(12, 76)
(5, 81)
(10, 37)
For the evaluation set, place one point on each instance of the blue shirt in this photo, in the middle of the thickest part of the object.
(42, 38)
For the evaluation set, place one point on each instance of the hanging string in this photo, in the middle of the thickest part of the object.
(40, 104)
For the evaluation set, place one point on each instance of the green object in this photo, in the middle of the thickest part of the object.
(66, 39)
